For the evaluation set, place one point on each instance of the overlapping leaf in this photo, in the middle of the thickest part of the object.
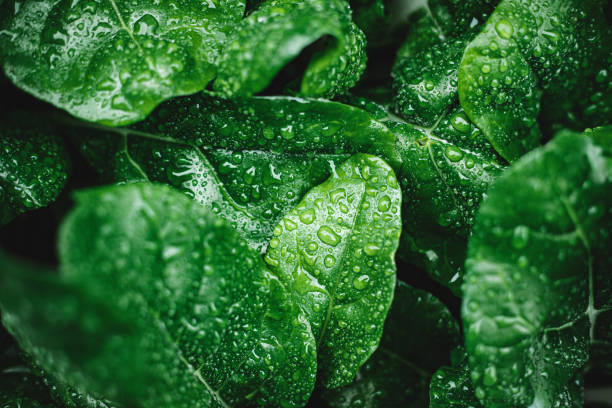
(419, 334)
(33, 165)
(170, 309)
(113, 61)
(251, 160)
(526, 48)
(277, 31)
(445, 172)
(335, 252)
(537, 292)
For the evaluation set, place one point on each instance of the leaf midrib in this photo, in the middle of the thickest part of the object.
(124, 26)
(169, 338)
(337, 278)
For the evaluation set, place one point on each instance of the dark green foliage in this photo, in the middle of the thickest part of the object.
(538, 278)
(33, 164)
(253, 181)
(419, 335)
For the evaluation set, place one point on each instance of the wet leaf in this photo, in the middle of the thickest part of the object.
(335, 252)
(446, 170)
(172, 303)
(277, 31)
(537, 296)
(526, 48)
(33, 164)
(113, 61)
(250, 160)
(418, 336)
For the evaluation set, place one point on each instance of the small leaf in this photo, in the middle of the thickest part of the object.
(277, 32)
(335, 253)
(418, 336)
(452, 386)
(33, 165)
(537, 289)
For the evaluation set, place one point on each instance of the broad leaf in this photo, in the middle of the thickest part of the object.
(114, 61)
(335, 252)
(250, 160)
(537, 294)
(452, 387)
(418, 336)
(33, 164)
(277, 32)
(172, 303)
(525, 48)
(445, 172)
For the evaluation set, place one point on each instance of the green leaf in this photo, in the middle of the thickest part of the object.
(425, 72)
(526, 48)
(335, 252)
(277, 32)
(172, 303)
(452, 386)
(374, 19)
(418, 336)
(445, 172)
(33, 164)
(425, 84)
(537, 298)
(19, 386)
(440, 20)
(251, 160)
(113, 61)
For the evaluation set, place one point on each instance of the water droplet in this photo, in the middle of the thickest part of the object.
(490, 376)
(329, 261)
(460, 122)
(328, 236)
(504, 28)
(520, 237)
(453, 153)
(308, 216)
(361, 282)
(384, 204)
(371, 249)
(146, 25)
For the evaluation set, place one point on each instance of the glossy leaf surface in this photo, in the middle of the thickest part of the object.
(425, 71)
(19, 386)
(33, 165)
(251, 160)
(525, 48)
(446, 170)
(418, 336)
(335, 252)
(277, 31)
(451, 386)
(537, 295)
(113, 61)
(198, 320)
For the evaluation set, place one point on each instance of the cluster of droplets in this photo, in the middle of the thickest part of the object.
(298, 24)
(334, 251)
(33, 166)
